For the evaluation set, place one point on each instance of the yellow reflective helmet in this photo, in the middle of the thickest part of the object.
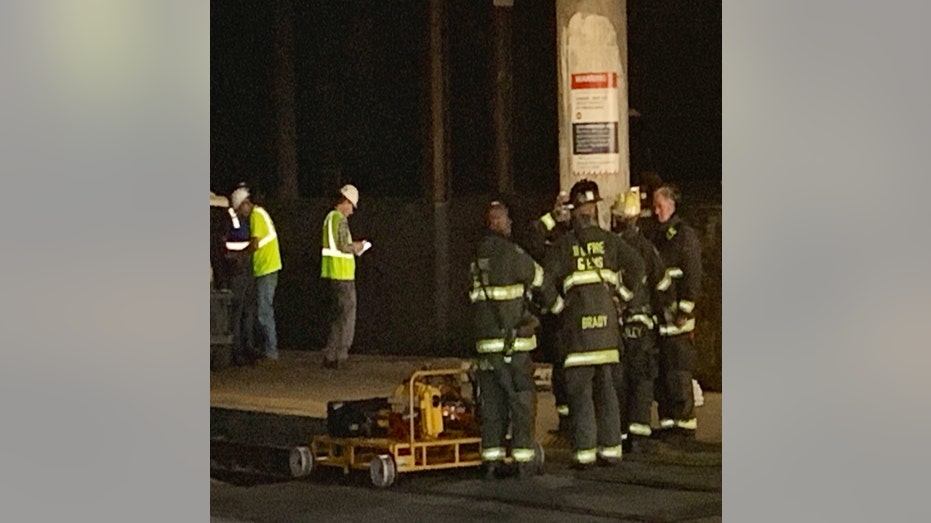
(627, 203)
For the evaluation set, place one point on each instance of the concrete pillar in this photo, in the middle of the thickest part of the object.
(286, 138)
(593, 108)
(503, 95)
(439, 188)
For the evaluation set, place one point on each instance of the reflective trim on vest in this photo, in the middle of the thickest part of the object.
(673, 330)
(233, 217)
(611, 452)
(598, 357)
(589, 277)
(624, 437)
(336, 254)
(686, 306)
(237, 246)
(493, 454)
(586, 456)
(537, 275)
(625, 293)
(522, 455)
(503, 293)
(690, 424)
(640, 429)
(493, 345)
(558, 306)
(335, 264)
(666, 282)
(640, 318)
(548, 221)
(667, 423)
(268, 239)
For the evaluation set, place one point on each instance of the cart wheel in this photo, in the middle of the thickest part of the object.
(539, 459)
(383, 471)
(301, 462)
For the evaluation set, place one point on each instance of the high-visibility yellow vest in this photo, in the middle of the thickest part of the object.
(335, 264)
(267, 257)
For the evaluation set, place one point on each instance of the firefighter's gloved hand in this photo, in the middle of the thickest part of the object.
(527, 327)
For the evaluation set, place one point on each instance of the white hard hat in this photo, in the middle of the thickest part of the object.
(238, 196)
(351, 194)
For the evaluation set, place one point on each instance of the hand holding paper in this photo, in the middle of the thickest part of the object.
(366, 245)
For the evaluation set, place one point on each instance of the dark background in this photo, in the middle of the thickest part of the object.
(362, 98)
(362, 116)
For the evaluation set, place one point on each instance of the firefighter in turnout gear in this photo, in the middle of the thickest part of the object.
(544, 233)
(593, 278)
(503, 277)
(636, 381)
(680, 251)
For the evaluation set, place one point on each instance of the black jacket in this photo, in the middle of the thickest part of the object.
(503, 277)
(680, 250)
(572, 287)
(653, 265)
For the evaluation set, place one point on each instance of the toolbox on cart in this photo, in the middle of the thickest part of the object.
(358, 418)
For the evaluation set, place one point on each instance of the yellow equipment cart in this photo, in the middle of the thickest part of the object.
(433, 440)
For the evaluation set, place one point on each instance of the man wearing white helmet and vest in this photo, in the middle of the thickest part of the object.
(266, 263)
(338, 267)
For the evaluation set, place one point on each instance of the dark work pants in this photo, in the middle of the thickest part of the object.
(635, 378)
(593, 407)
(343, 320)
(674, 394)
(553, 353)
(507, 395)
(244, 312)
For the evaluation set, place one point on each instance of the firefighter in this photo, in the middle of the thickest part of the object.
(592, 278)
(543, 235)
(242, 282)
(680, 251)
(503, 276)
(640, 367)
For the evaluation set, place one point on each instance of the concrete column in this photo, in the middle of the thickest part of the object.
(439, 188)
(503, 96)
(286, 142)
(593, 104)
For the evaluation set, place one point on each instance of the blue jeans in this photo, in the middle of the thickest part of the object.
(265, 285)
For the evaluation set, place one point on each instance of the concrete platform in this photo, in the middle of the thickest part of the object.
(297, 386)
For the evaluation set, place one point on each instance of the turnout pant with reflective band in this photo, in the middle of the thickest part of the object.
(342, 321)
(265, 289)
(634, 380)
(593, 410)
(674, 394)
(506, 397)
(245, 310)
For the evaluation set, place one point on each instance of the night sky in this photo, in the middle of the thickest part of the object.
(362, 94)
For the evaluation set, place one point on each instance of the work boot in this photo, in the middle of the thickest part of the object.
(525, 470)
(490, 470)
(581, 466)
(636, 444)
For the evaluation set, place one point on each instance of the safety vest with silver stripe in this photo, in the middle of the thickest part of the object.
(236, 245)
(335, 264)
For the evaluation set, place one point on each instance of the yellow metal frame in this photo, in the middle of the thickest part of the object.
(409, 455)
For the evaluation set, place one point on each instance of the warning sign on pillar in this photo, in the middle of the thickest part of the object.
(595, 147)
